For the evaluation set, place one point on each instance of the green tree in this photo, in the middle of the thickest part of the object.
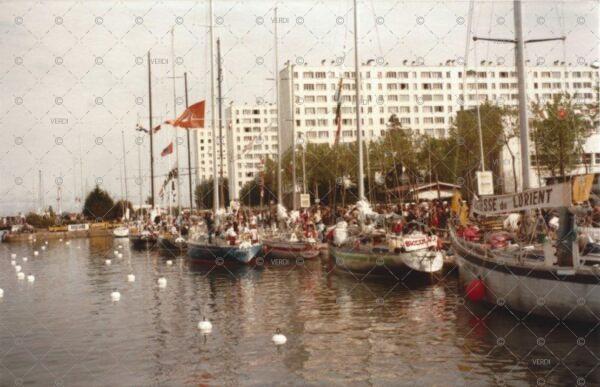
(119, 209)
(559, 130)
(98, 204)
(466, 134)
(250, 192)
(203, 194)
(40, 221)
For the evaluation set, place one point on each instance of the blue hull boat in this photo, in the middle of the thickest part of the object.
(222, 254)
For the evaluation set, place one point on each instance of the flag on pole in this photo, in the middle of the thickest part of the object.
(168, 150)
(191, 118)
(338, 111)
(139, 128)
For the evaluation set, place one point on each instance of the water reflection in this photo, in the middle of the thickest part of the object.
(341, 330)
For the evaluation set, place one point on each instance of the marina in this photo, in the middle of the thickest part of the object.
(375, 332)
(373, 220)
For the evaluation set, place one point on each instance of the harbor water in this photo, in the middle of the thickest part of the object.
(63, 329)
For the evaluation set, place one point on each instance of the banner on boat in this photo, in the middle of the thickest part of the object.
(558, 195)
(78, 227)
(412, 243)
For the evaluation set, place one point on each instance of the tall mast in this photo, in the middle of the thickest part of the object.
(189, 150)
(212, 110)
(220, 103)
(279, 151)
(150, 130)
(293, 114)
(359, 140)
(522, 82)
(178, 193)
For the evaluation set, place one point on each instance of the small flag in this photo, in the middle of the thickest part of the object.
(156, 128)
(192, 117)
(140, 128)
(338, 111)
(168, 150)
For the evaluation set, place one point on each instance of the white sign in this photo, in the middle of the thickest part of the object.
(558, 195)
(78, 227)
(304, 200)
(485, 183)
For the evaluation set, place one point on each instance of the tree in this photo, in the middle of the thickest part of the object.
(40, 221)
(98, 204)
(250, 192)
(119, 209)
(560, 127)
(203, 194)
(465, 131)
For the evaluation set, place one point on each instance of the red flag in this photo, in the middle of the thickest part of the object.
(192, 117)
(156, 128)
(168, 150)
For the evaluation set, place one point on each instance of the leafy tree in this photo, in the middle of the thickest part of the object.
(98, 204)
(465, 131)
(119, 209)
(250, 192)
(203, 194)
(559, 130)
(39, 221)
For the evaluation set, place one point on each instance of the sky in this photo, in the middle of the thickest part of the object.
(74, 74)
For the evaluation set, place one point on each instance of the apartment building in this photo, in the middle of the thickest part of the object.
(251, 139)
(423, 98)
(204, 166)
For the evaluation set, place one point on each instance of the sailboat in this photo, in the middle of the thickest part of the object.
(123, 231)
(285, 246)
(367, 253)
(558, 282)
(218, 250)
(145, 239)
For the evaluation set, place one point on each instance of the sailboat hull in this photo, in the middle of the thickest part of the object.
(415, 263)
(143, 242)
(289, 250)
(531, 288)
(222, 254)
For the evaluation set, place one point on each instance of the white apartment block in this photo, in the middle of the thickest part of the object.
(204, 165)
(251, 139)
(424, 98)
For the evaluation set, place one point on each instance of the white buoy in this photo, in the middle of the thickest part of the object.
(25, 259)
(205, 326)
(30, 278)
(169, 262)
(116, 252)
(18, 268)
(108, 262)
(120, 255)
(115, 295)
(20, 275)
(67, 242)
(46, 242)
(13, 255)
(120, 246)
(60, 240)
(36, 253)
(43, 247)
(13, 262)
(278, 338)
(1, 293)
(130, 278)
(162, 282)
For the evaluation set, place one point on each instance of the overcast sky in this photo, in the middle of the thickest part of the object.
(73, 74)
